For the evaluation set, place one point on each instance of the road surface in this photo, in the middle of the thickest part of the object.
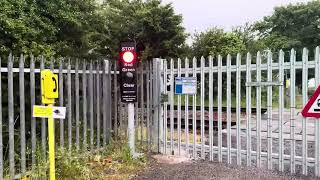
(164, 168)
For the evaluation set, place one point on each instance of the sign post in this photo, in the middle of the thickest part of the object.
(128, 85)
(51, 147)
(131, 127)
(49, 92)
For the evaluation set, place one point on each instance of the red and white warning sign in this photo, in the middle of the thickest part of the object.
(312, 108)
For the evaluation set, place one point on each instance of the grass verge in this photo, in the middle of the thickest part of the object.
(112, 162)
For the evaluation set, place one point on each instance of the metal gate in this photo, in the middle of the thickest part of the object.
(245, 112)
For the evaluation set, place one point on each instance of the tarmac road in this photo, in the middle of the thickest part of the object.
(204, 170)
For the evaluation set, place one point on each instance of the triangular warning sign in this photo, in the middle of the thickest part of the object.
(312, 108)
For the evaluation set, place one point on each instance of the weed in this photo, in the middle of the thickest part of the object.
(112, 162)
(72, 165)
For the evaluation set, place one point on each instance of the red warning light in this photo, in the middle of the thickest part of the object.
(128, 57)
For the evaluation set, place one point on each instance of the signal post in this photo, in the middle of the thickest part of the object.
(128, 85)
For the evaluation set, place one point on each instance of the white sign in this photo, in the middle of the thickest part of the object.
(315, 108)
(186, 85)
(58, 112)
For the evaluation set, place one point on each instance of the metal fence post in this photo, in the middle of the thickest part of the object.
(43, 121)
(142, 103)
(91, 106)
(171, 106)
(77, 104)
(258, 109)
(229, 108)
(61, 102)
(165, 110)
(105, 108)
(98, 103)
(84, 105)
(186, 110)
(11, 118)
(179, 111)
(69, 107)
(304, 101)
(281, 108)
(156, 104)
(33, 120)
(238, 108)
(248, 109)
(202, 86)
(219, 108)
(269, 109)
(194, 109)
(115, 99)
(317, 123)
(160, 105)
(109, 94)
(292, 110)
(22, 115)
(148, 104)
(210, 108)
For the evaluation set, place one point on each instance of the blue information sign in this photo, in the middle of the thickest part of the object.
(185, 85)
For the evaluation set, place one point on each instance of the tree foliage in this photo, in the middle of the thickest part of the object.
(248, 36)
(155, 28)
(215, 41)
(82, 28)
(292, 26)
(53, 27)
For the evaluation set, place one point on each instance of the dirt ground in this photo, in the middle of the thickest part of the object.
(175, 168)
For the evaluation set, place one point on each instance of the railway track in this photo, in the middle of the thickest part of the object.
(206, 116)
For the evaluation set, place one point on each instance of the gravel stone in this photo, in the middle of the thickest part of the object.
(204, 170)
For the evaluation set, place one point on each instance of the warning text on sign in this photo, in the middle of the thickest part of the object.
(185, 85)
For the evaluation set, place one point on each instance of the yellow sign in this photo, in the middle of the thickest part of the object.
(42, 111)
(49, 87)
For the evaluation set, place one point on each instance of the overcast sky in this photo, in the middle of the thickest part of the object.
(199, 15)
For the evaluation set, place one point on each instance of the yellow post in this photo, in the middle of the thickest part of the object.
(49, 92)
(51, 147)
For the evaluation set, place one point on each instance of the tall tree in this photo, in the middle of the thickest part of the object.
(81, 28)
(292, 26)
(249, 38)
(215, 41)
(53, 27)
(155, 27)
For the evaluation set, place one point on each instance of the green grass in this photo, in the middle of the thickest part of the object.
(112, 162)
(126, 165)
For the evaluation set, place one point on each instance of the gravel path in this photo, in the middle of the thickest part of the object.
(203, 170)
